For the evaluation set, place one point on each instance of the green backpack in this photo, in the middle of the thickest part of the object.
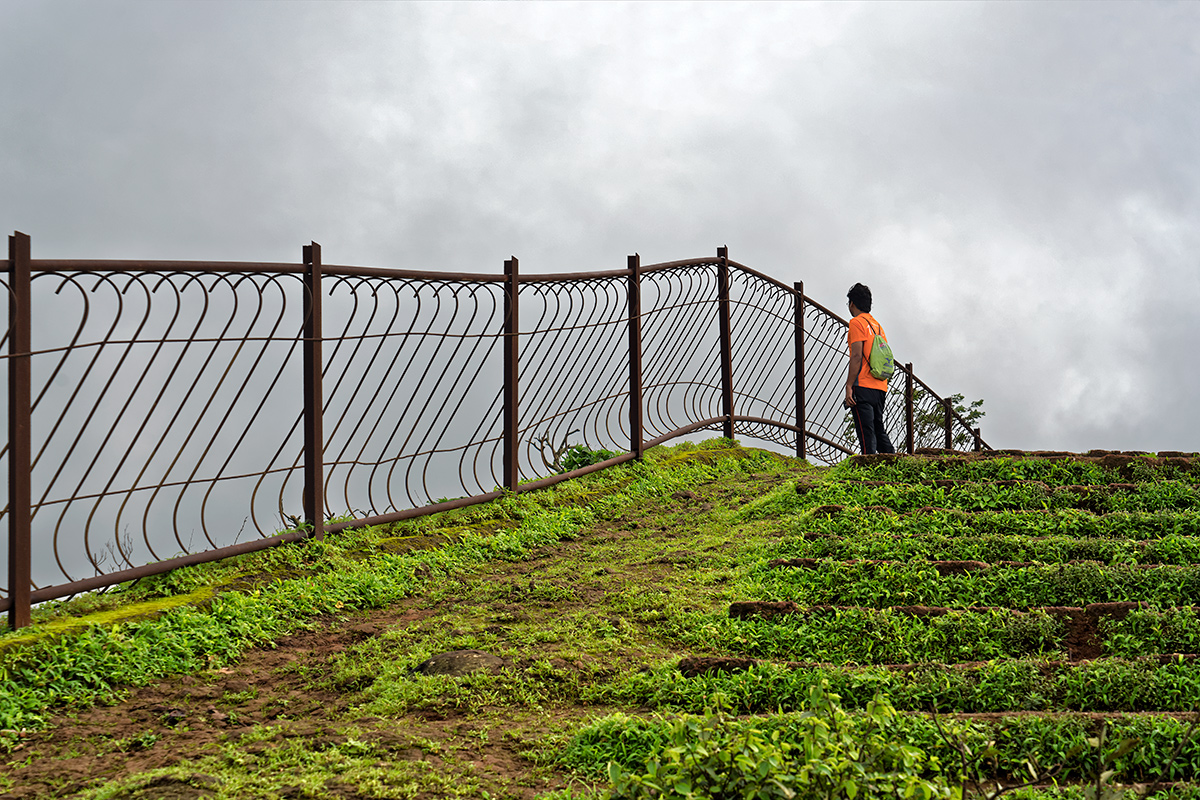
(880, 361)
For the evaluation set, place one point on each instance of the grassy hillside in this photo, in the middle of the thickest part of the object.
(716, 621)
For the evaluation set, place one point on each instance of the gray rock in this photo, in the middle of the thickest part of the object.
(459, 662)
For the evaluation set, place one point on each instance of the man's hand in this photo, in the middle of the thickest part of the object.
(856, 360)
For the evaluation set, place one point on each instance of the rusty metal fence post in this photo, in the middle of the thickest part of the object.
(511, 330)
(946, 407)
(801, 412)
(726, 340)
(635, 356)
(314, 438)
(909, 422)
(19, 443)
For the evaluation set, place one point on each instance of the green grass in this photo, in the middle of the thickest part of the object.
(52, 664)
(894, 543)
(592, 591)
(1136, 684)
(632, 741)
(870, 636)
(1071, 522)
(899, 583)
(1024, 496)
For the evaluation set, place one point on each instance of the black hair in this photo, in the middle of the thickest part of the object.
(861, 297)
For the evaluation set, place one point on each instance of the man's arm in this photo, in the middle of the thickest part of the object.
(856, 356)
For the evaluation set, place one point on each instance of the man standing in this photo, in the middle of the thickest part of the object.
(864, 392)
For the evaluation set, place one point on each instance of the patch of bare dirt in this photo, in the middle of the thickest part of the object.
(180, 718)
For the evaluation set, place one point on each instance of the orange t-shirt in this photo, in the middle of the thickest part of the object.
(863, 329)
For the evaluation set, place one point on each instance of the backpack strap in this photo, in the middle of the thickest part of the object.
(869, 341)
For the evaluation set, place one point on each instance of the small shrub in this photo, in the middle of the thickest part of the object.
(580, 455)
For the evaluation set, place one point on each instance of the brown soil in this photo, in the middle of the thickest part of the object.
(191, 714)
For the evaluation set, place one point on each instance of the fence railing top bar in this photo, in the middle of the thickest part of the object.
(152, 265)
(689, 262)
(122, 265)
(558, 277)
(808, 301)
(763, 277)
(413, 274)
(925, 386)
(138, 265)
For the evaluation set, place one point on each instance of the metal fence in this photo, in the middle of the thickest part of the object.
(180, 412)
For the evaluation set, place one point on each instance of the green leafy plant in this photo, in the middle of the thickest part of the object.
(835, 755)
(580, 455)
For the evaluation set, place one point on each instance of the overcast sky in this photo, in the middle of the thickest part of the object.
(1017, 182)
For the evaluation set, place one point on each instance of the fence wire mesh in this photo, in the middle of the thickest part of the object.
(762, 323)
(155, 396)
(413, 405)
(825, 365)
(574, 379)
(681, 374)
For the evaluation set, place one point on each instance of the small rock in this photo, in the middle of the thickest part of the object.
(767, 609)
(459, 662)
(694, 666)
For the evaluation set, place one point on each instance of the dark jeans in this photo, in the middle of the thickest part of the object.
(868, 420)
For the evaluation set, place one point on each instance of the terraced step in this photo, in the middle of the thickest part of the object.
(1107, 458)
(696, 666)
(1169, 683)
(875, 636)
(770, 609)
(954, 483)
(959, 584)
(1077, 632)
(1054, 467)
(1133, 525)
(1001, 495)
(956, 567)
(988, 548)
